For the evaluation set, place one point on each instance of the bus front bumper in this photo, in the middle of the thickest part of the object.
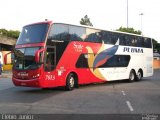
(27, 83)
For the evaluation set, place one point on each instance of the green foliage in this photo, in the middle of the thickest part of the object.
(86, 21)
(3, 32)
(14, 34)
(129, 30)
(10, 33)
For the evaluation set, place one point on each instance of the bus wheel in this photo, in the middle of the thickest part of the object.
(139, 75)
(132, 76)
(70, 82)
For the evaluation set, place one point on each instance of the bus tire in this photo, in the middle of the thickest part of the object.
(132, 76)
(139, 75)
(70, 82)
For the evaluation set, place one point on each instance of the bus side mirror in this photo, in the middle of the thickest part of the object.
(39, 55)
(8, 58)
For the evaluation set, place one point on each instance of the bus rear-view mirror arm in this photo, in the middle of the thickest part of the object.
(37, 55)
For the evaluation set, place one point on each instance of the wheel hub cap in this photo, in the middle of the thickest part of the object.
(71, 82)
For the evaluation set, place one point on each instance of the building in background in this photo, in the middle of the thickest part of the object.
(6, 45)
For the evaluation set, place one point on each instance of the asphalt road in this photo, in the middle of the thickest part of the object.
(118, 97)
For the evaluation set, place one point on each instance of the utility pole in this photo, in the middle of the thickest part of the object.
(141, 14)
(127, 14)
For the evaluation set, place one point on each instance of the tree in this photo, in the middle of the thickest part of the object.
(3, 32)
(129, 30)
(13, 33)
(10, 33)
(86, 21)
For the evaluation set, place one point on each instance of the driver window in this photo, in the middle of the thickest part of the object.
(50, 59)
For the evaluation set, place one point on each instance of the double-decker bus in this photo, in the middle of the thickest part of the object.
(51, 54)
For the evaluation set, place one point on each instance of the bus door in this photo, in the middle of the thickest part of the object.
(50, 64)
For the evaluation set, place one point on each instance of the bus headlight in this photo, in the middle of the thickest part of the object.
(36, 76)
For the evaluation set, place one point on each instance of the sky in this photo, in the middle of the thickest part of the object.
(105, 14)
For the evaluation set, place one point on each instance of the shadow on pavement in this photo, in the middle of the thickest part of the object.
(27, 95)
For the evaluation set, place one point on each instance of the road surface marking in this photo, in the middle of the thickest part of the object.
(129, 106)
(123, 93)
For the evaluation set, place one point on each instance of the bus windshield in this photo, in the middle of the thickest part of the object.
(25, 58)
(35, 33)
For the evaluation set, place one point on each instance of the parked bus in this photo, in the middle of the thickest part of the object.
(51, 54)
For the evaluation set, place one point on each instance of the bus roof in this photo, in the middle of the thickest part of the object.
(51, 22)
(101, 29)
(43, 22)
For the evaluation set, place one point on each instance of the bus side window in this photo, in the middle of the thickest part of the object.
(76, 32)
(122, 39)
(147, 43)
(140, 42)
(82, 61)
(123, 60)
(106, 37)
(117, 61)
(59, 32)
(128, 40)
